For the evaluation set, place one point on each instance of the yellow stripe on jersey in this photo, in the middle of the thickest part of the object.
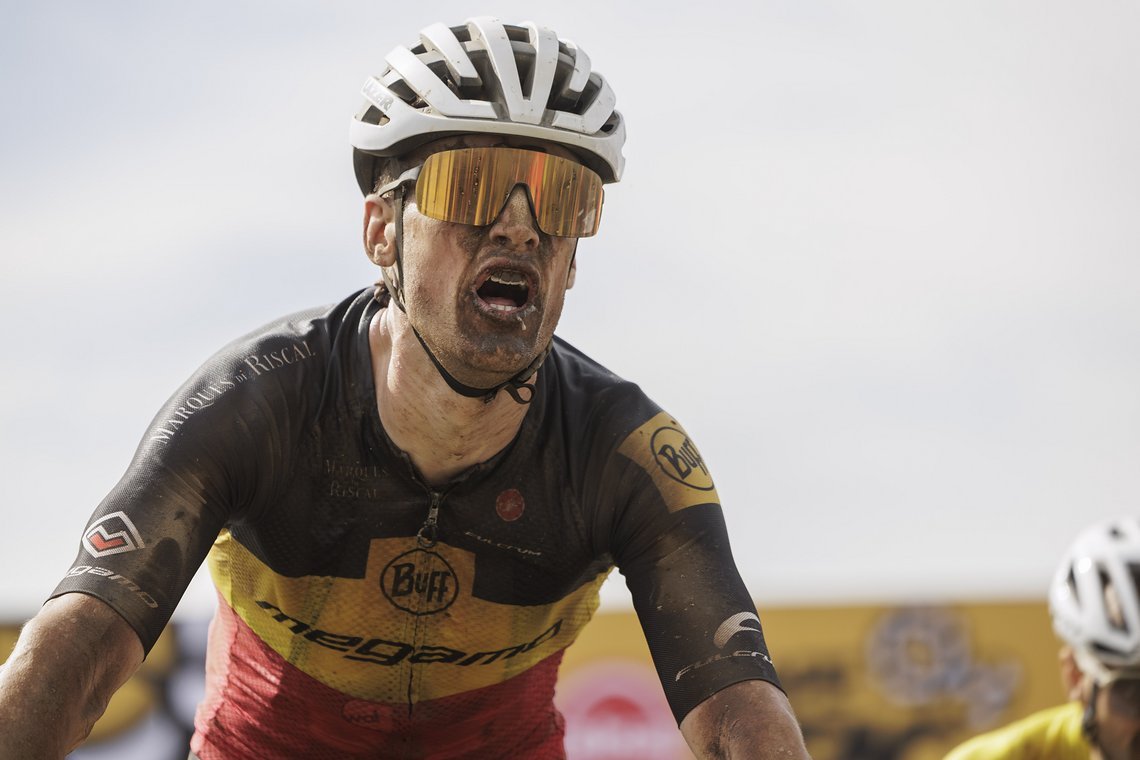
(664, 450)
(374, 637)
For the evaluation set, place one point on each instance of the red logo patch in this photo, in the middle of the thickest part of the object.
(104, 544)
(510, 505)
(111, 534)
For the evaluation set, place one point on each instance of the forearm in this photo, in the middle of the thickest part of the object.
(752, 720)
(67, 663)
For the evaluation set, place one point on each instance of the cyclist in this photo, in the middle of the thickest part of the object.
(410, 499)
(1095, 604)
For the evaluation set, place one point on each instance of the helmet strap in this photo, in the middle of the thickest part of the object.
(396, 290)
(516, 387)
(1088, 720)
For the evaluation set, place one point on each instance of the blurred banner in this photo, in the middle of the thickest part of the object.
(867, 683)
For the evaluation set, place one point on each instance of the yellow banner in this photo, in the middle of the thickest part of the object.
(866, 682)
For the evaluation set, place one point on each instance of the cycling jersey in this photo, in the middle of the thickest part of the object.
(363, 613)
(1053, 734)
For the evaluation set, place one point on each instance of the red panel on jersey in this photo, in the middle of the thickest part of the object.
(257, 705)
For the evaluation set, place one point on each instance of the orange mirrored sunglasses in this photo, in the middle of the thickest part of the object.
(472, 185)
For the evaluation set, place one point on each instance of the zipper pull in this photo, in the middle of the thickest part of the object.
(427, 532)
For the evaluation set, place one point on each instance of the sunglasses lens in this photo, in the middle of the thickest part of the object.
(567, 199)
(471, 186)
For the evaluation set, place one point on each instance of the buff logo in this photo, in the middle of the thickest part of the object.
(420, 582)
(677, 456)
(112, 534)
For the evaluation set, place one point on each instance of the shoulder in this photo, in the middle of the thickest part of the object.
(295, 337)
(587, 390)
(278, 365)
(641, 442)
(579, 374)
(1053, 733)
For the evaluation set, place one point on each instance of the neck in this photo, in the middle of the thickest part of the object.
(442, 432)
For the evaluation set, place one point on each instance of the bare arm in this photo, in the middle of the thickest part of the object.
(70, 658)
(751, 720)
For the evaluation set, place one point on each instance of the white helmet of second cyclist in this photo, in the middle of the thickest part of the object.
(1095, 598)
(485, 77)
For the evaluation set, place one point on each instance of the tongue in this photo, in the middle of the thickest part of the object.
(499, 301)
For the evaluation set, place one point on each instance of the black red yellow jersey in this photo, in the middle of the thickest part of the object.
(364, 614)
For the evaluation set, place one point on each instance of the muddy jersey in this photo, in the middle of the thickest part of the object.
(363, 613)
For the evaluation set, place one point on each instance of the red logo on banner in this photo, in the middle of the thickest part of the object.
(615, 710)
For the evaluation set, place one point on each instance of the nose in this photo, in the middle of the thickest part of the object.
(515, 226)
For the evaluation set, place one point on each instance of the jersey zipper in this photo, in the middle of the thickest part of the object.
(426, 535)
(426, 538)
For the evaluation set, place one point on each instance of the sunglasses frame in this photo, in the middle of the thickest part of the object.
(412, 175)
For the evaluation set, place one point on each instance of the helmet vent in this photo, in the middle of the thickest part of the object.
(525, 65)
(401, 90)
(1116, 532)
(1114, 611)
(462, 33)
(1123, 604)
(1108, 653)
(373, 115)
(517, 33)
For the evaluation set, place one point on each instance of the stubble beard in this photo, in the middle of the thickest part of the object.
(478, 350)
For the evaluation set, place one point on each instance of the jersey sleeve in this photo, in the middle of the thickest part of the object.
(670, 542)
(215, 451)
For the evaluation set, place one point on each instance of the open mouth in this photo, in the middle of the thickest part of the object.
(504, 290)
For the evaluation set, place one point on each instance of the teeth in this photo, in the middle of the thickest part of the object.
(508, 278)
(502, 307)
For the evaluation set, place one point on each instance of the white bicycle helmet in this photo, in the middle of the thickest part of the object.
(1095, 598)
(487, 77)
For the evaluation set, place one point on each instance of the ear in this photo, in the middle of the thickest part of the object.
(1071, 675)
(380, 230)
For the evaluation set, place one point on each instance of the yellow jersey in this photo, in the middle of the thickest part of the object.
(1052, 734)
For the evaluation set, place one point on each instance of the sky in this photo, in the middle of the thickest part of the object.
(879, 258)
